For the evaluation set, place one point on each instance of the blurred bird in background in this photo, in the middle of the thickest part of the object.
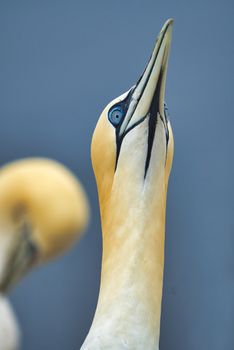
(43, 212)
(132, 152)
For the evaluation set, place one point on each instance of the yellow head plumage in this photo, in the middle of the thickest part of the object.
(132, 146)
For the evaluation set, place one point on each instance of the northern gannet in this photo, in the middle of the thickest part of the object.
(43, 211)
(132, 152)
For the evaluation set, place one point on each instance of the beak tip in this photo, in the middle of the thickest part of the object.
(167, 29)
(170, 21)
(168, 25)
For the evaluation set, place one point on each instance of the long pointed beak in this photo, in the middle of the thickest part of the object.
(22, 255)
(147, 97)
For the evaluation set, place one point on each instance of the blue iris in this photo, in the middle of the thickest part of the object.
(115, 115)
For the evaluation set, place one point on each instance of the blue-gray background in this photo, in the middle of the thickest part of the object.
(60, 63)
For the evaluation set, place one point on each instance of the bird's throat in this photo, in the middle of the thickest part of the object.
(129, 305)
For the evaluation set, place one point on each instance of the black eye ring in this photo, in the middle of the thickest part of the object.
(115, 115)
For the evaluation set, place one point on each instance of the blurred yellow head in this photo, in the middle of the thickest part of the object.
(43, 211)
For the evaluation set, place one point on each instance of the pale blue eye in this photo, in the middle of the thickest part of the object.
(115, 115)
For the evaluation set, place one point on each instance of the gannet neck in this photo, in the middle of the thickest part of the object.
(129, 305)
(9, 329)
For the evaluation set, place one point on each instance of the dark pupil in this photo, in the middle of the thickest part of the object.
(116, 115)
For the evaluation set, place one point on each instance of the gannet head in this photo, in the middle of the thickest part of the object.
(132, 146)
(43, 211)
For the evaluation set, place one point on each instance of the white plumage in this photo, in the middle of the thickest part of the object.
(9, 329)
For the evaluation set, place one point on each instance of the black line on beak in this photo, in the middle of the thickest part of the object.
(153, 116)
(119, 138)
(22, 257)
